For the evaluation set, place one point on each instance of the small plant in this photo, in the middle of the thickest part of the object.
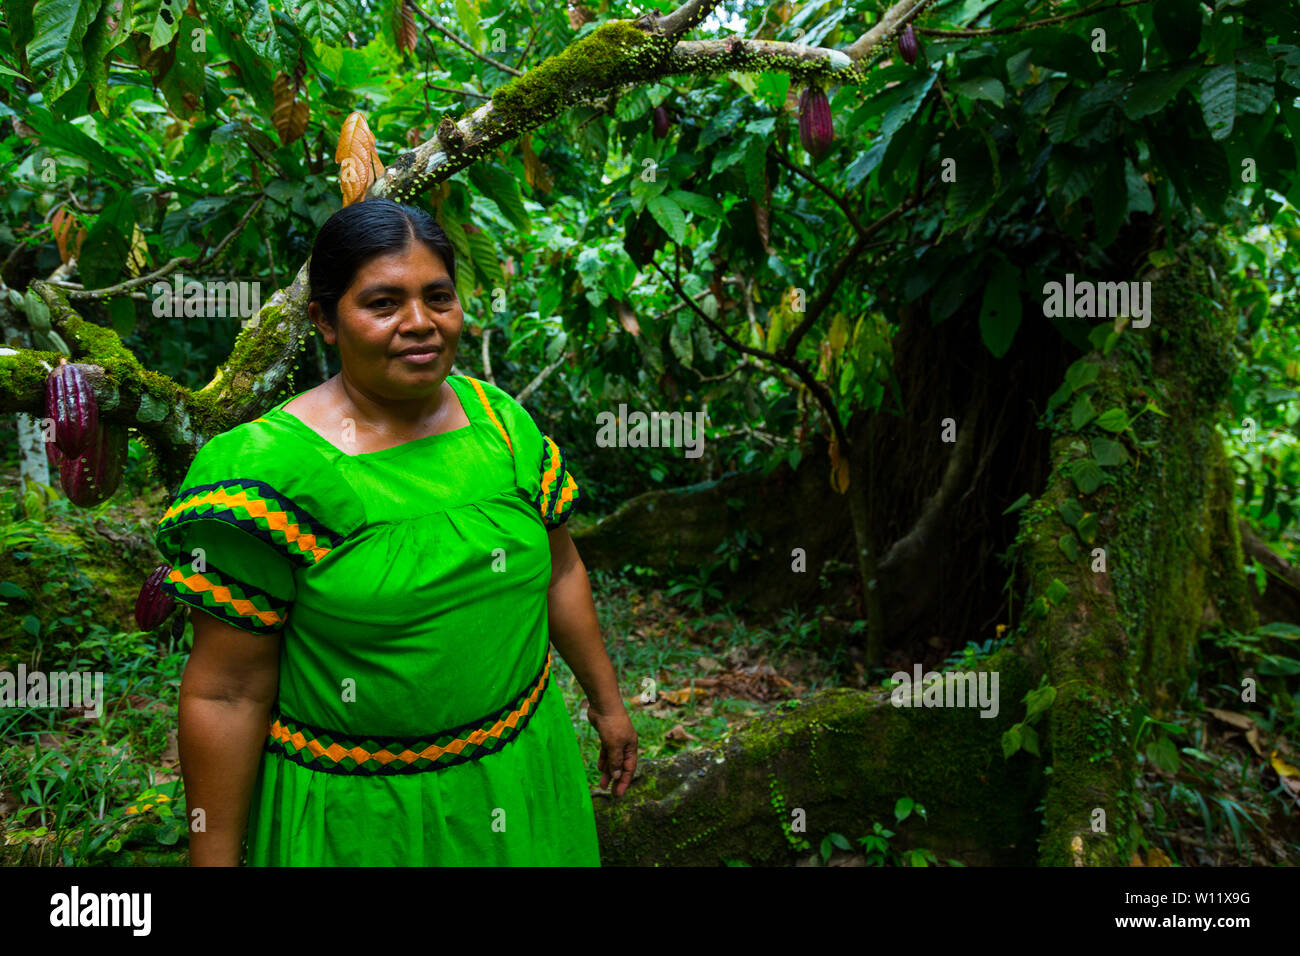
(1023, 735)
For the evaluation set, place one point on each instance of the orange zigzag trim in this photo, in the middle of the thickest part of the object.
(278, 520)
(337, 752)
(197, 582)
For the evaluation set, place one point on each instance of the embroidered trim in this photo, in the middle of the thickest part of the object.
(260, 510)
(478, 387)
(555, 508)
(332, 752)
(233, 601)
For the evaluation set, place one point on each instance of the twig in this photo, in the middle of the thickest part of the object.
(170, 267)
(437, 25)
(538, 379)
(1032, 25)
(487, 356)
(834, 197)
(452, 89)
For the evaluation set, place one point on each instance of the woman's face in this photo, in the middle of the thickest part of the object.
(398, 301)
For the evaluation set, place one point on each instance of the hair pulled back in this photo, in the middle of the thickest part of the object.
(358, 233)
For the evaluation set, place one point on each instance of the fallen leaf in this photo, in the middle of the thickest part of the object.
(1252, 738)
(1284, 769)
(679, 735)
(1240, 721)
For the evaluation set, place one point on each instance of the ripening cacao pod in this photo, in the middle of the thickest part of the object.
(71, 402)
(815, 129)
(661, 122)
(94, 475)
(153, 605)
(907, 44)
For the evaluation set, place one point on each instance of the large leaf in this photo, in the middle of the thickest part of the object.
(503, 189)
(1000, 311)
(55, 52)
(1151, 91)
(1219, 99)
(103, 254)
(326, 20)
(60, 135)
(669, 215)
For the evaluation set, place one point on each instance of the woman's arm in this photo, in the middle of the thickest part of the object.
(227, 690)
(575, 632)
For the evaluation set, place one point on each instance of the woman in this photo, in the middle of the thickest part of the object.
(376, 569)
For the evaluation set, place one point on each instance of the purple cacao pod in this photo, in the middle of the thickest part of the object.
(907, 45)
(71, 402)
(816, 131)
(661, 122)
(154, 605)
(94, 475)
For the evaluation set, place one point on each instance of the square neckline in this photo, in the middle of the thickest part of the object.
(392, 449)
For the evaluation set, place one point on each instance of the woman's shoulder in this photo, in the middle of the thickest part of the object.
(518, 420)
(265, 471)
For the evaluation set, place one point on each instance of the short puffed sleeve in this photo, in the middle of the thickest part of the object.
(234, 542)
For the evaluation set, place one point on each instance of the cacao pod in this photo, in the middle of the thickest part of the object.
(661, 122)
(94, 475)
(907, 45)
(154, 605)
(815, 128)
(71, 402)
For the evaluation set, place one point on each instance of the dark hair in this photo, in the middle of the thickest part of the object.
(358, 233)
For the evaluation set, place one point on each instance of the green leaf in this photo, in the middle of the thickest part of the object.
(1219, 99)
(1087, 475)
(10, 590)
(1057, 591)
(1082, 412)
(108, 242)
(755, 163)
(1088, 527)
(669, 215)
(1151, 91)
(503, 189)
(1071, 511)
(1113, 420)
(1082, 372)
(1038, 700)
(1029, 739)
(55, 52)
(469, 23)
(1017, 504)
(1011, 740)
(841, 842)
(326, 20)
(694, 202)
(903, 808)
(1108, 451)
(1060, 396)
(981, 88)
(487, 261)
(58, 134)
(1069, 546)
(1164, 754)
(32, 625)
(1000, 310)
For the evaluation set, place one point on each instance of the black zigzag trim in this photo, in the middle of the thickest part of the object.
(406, 743)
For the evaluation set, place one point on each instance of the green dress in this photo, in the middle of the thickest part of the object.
(417, 721)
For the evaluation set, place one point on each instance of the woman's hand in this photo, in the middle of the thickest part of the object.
(617, 747)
